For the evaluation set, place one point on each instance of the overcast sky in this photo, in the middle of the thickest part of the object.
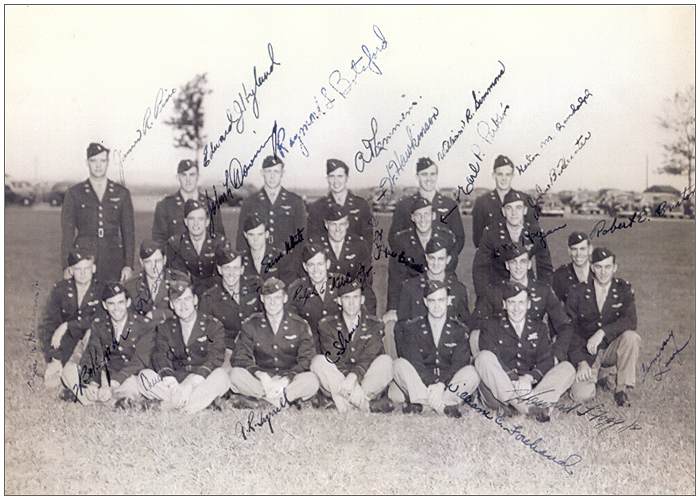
(76, 74)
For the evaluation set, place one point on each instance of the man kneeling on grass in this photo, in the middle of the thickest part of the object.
(119, 347)
(353, 369)
(516, 362)
(187, 357)
(435, 351)
(272, 354)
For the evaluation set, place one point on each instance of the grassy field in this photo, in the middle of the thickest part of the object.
(52, 447)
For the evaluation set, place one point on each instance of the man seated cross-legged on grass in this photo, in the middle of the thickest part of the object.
(516, 259)
(353, 368)
(435, 352)
(71, 306)
(605, 320)
(272, 354)
(187, 357)
(516, 361)
(119, 347)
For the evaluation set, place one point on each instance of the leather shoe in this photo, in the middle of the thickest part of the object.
(381, 405)
(538, 413)
(452, 411)
(622, 399)
(412, 408)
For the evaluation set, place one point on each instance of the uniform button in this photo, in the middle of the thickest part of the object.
(99, 207)
(189, 358)
(599, 324)
(275, 359)
(519, 344)
(437, 361)
(272, 229)
(99, 222)
(274, 347)
(519, 355)
(352, 360)
(272, 213)
(99, 215)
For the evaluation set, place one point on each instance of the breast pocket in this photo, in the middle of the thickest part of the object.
(290, 344)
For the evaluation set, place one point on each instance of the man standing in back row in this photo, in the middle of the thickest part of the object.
(169, 219)
(445, 208)
(282, 212)
(98, 218)
(487, 208)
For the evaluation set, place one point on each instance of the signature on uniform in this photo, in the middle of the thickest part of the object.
(658, 368)
(293, 241)
(341, 345)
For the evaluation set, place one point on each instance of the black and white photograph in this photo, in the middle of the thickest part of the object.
(349, 250)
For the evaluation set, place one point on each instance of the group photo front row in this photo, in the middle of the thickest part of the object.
(287, 313)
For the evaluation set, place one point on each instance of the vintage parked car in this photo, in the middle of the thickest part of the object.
(55, 196)
(466, 202)
(550, 205)
(19, 192)
(588, 208)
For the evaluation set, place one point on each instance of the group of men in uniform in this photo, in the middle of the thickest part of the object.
(287, 313)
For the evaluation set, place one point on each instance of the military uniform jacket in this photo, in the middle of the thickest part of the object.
(354, 262)
(487, 211)
(275, 263)
(305, 301)
(203, 353)
(283, 218)
(407, 259)
(218, 302)
(169, 218)
(619, 314)
(411, 303)
(288, 352)
(201, 267)
(105, 228)
(142, 300)
(444, 207)
(359, 217)
(531, 353)
(351, 351)
(436, 364)
(542, 302)
(62, 306)
(565, 278)
(488, 267)
(123, 356)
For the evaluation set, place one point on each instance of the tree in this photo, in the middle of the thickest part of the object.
(679, 121)
(188, 120)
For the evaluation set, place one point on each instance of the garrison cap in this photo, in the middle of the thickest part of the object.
(192, 205)
(185, 165)
(349, 287)
(424, 163)
(310, 250)
(333, 164)
(251, 222)
(148, 248)
(95, 148)
(436, 243)
(225, 256)
(112, 289)
(502, 161)
(513, 250)
(335, 212)
(512, 196)
(510, 289)
(271, 161)
(76, 256)
(177, 288)
(599, 254)
(418, 203)
(577, 237)
(433, 286)
(271, 286)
